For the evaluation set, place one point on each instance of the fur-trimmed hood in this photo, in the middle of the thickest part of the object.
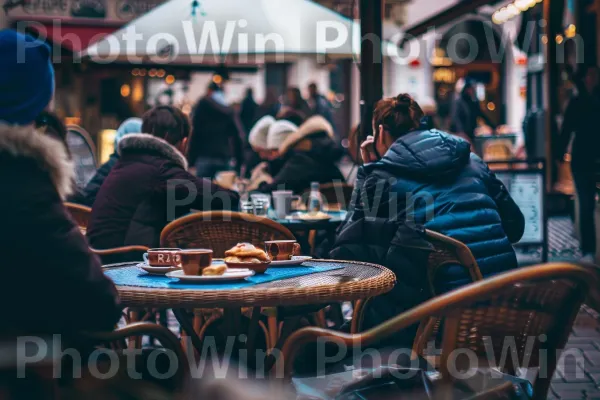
(144, 141)
(50, 154)
(312, 126)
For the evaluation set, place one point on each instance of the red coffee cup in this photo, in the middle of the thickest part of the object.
(280, 250)
(162, 257)
(193, 261)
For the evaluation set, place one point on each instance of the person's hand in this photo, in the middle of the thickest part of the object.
(258, 170)
(367, 150)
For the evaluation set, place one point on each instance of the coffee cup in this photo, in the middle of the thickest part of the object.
(281, 250)
(162, 257)
(193, 261)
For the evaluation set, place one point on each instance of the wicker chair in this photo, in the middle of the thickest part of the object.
(117, 340)
(40, 380)
(221, 230)
(447, 252)
(535, 306)
(81, 215)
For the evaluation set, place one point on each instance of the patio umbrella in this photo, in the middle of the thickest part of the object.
(214, 30)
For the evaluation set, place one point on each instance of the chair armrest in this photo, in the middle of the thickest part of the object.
(119, 250)
(435, 307)
(167, 339)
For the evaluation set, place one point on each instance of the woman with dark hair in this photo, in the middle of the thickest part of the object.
(581, 120)
(150, 185)
(417, 178)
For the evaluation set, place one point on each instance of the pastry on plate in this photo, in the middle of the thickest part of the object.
(314, 216)
(247, 252)
(214, 270)
(246, 255)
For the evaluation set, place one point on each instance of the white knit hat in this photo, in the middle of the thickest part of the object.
(278, 132)
(259, 132)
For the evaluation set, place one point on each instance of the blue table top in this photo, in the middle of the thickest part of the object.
(132, 275)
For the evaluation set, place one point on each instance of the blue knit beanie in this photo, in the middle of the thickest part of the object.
(26, 77)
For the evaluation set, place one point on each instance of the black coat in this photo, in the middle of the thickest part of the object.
(429, 179)
(217, 133)
(147, 189)
(51, 282)
(581, 120)
(87, 195)
(297, 168)
(465, 113)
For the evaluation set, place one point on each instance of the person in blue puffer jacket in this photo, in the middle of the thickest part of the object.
(413, 179)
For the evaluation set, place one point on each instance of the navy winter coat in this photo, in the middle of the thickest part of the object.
(429, 179)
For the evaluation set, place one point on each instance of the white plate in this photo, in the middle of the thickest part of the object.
(156, 270)
(296, 260)
(230, 275)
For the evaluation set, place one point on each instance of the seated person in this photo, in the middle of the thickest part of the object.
(304, 155)
(51, 283)
(415, 178)
(87, 196)
(150, 186)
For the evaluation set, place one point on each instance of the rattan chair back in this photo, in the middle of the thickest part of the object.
(449, 252)
(221, 230)
(533, 308)
(81, 215)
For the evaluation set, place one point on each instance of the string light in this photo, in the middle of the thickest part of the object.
(512, 10)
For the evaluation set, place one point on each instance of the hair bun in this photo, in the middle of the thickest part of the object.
(403, 102)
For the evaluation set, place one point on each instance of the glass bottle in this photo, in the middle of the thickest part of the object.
(315, 200)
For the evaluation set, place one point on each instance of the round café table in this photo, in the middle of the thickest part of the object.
(342, 281)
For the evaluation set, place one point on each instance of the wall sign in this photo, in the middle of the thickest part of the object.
(108, 10)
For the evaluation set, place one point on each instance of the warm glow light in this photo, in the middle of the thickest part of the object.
(559, 39)
(137, 93)
(187, 109)
(512, 10)
(107, 144)
(135, 72)
(125, 90)
(152, 73)
(142, 72)
(161, 73)
(170, 79)
(545, 39)
(571, 31)
(218, 79)
(491, 106)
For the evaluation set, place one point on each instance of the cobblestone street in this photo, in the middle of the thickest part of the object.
(575, 379)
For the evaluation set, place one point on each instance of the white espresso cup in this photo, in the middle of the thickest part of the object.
(282, 202)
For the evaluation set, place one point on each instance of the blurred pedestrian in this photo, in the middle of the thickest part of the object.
(132, 206)
(467, 111)
(248, 110)
(295, 109)
(270, 105)
(318, 104)
(44, 254)
(217, 135)
(87, 196)
(581, 120)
